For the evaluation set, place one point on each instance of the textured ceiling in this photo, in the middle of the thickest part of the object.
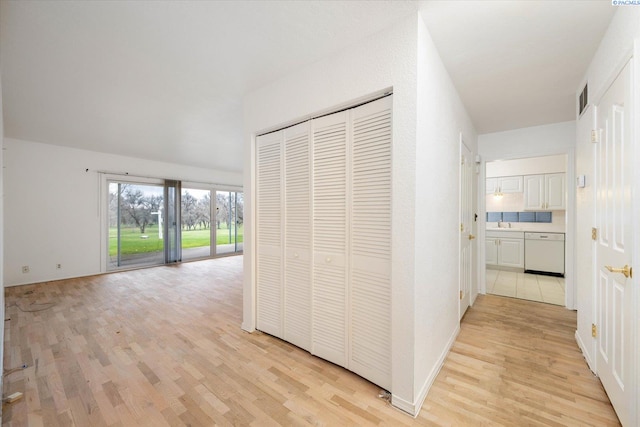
(517, 63)
(165, 80)
(162, 80)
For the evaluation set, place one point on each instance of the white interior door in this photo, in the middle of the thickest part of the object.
(297, 236)
(615, 364)
(466, 224)
(370, 255)
(269, 233)
(330, 230)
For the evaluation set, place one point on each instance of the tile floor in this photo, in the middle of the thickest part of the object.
(533, 287)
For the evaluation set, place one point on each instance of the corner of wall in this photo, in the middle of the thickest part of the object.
(413, 408)
(248, 267)
(426, 386)
(441, 118)
(2, 309)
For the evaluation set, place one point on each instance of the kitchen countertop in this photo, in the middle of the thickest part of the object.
(525, 229)
(529, 227)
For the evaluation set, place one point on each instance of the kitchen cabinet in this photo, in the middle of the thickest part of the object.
(504, 184)
(545, 192)
(491, 251)
(505, 248)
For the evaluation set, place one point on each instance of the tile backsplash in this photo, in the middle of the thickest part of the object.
(519, 217)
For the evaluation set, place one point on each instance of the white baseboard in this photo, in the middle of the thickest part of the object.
(585, 353)
(413, 408)
(247, 327)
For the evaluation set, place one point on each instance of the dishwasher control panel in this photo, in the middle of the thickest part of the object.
(544, 236)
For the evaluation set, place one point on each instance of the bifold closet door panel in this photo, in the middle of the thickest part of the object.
(329, 189)
(269, 223)
(297, 236)
(370, 255)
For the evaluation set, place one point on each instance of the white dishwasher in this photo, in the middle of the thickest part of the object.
(544, 253)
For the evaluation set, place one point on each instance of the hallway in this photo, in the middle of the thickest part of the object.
(163, 346)
(516, 362)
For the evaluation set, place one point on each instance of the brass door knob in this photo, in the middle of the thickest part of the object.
(626, 270)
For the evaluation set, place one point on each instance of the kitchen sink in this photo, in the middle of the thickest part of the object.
(505, 228)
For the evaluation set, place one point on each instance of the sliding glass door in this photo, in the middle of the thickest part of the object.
(196, 224)
(159, 222)
(135, 225)
(239, 212)
(229, 224)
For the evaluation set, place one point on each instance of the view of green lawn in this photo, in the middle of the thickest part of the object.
(133, 242)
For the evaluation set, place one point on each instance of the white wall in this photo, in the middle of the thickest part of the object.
(53, 206)
(585, 219)
(527, 166)
(424, 104)
(1, 239)
(441, 117)
(615, 50)
(528, 142)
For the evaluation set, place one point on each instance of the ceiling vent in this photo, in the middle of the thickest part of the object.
(584, 100)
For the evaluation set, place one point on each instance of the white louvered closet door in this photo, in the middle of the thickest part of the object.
(370, 260)
(297, 236)
(269, 224)
(329, 319)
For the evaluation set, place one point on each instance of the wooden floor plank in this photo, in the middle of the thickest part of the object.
(163, 346)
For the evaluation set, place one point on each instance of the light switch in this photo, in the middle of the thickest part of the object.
(581, 181)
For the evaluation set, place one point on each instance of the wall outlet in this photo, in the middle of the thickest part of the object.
(25, 269)
(58, 266)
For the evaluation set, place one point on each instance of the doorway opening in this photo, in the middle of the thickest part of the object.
(526, 225)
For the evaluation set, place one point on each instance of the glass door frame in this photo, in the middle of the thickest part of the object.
(107, 179)
(233, 209)
(214, 189)
(203, 187)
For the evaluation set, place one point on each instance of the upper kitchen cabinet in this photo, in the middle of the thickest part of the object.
(545, 192)
(504, 184)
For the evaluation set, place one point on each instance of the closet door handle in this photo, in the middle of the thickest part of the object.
(328, 260)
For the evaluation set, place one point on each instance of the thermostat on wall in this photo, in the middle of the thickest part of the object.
(580, 181)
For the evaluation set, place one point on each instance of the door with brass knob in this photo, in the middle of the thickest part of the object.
(466, 226)
(626, 270)
(614, 244)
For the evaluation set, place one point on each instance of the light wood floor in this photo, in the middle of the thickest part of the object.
(163, 346)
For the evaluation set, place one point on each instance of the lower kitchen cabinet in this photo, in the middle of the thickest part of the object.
(491, 251)
(505, 248)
